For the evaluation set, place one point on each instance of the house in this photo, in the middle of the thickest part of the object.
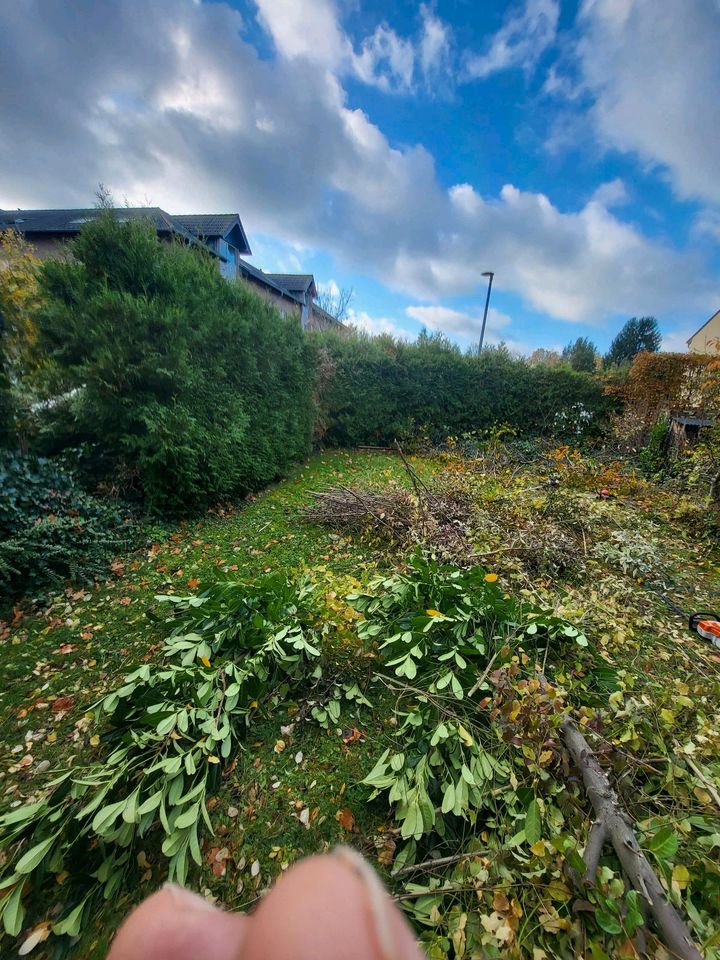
(221, 233)
(707, 338)
(49, 230)
(291, 293)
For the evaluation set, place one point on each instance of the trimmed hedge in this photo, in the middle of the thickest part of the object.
(190, 389)
(379, 389)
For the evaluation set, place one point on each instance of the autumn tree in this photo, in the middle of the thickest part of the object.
(545, 358)
(638, 334)
(581, 354)
(19, 301)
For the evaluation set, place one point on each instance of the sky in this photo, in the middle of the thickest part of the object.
(399, 149)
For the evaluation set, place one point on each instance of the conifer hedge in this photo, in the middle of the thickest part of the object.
(188, 389)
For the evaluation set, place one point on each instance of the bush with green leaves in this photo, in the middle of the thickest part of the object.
(191, 389)
(50, 529)
(380, 389)
(167, 732)
(439, 630)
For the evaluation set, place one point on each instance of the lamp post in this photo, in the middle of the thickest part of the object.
(488, 273)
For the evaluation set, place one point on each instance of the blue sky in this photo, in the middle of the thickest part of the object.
(400, 149)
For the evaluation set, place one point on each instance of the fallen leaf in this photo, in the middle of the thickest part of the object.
(62, 704)
(491, 577)
(94, 740)
(67, 648)
(193, 582)
(304, 816)
(232, 812)
(345, 818)
(279, 746)
(255, 868)
(39, 934)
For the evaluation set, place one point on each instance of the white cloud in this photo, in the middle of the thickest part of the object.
(611, 194)
(181, 109)
(307, 29)
(466, 327)
(435, 48)
(676, 341)
(520, 42)
(386, 60)
(653, 70)
(376, 325)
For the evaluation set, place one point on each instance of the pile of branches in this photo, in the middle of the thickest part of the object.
(400, 517)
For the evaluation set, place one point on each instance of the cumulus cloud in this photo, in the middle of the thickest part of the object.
(653, 72)
(376, 325)
(178, 107)
(466, 327)
(520, 42)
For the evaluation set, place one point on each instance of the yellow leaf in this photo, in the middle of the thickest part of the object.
(668, 716)
(538, 848)
(465, 736)
(213, 759)
(279, 746)
(205, 661)
(681, 876)
(702, 795)
(94, 741)
(491, 577)
(433, 613)
(544, 757)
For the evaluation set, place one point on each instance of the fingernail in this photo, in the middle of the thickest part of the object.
(187, 900)
(378, 901)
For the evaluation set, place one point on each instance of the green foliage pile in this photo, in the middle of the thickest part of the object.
(170, 727)
(50, 529)
(381, 389)
(192, 389)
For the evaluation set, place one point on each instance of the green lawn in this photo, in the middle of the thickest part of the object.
(295, 789)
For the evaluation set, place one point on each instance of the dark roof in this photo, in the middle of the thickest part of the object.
(213, 225)
(295, 282)
(189, 227)
(265, 278)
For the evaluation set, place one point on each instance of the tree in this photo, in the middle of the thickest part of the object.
(190, 389)
(638, 334)
(581, 355)
(336, 301)
(544, 358)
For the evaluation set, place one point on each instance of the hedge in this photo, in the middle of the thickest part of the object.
(379, 389)
(188, 388)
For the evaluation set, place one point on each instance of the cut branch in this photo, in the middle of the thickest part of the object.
(613, 823)
(439, 862)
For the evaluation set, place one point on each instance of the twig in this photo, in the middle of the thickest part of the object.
(703, 779)
(476, 686)
(439, 862)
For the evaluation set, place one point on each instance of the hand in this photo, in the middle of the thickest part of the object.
(324, 908)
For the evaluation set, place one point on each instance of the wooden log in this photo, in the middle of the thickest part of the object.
(612, 822)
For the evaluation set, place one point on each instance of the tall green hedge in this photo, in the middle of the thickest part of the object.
(187, 388)
(379, 389)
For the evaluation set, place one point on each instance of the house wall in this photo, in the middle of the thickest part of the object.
(707, 339)
(286, 306)
(318, 321)
(45, 247)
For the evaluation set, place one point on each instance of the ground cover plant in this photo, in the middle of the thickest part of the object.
(455, 781)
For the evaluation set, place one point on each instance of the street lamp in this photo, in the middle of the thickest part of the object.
(488, 273)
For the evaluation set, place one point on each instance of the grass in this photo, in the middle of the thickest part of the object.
(295, 790)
